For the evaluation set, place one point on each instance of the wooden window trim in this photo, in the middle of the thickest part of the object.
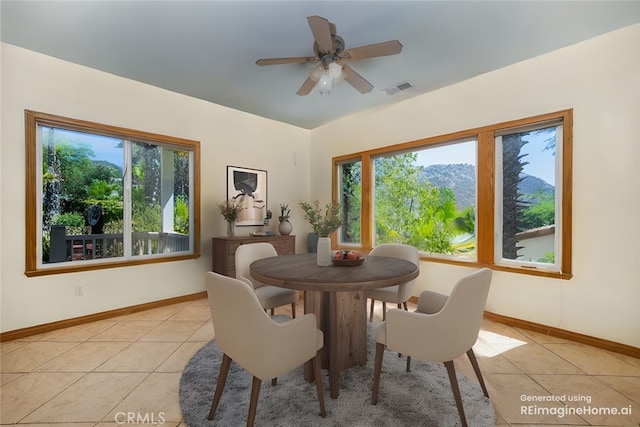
(485, 231)
(32, 120)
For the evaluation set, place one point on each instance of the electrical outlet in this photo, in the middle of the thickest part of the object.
(79, 291)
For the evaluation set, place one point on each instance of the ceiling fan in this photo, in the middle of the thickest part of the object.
(328, 48)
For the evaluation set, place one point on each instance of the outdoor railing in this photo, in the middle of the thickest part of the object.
(96, 246)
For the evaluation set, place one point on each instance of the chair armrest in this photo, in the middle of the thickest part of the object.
(423, 336)
(431, 302)
(300, 331)
(245, 280)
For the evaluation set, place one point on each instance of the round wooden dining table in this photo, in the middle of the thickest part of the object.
(335, 294)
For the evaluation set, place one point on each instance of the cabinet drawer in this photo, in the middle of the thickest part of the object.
(224, 250)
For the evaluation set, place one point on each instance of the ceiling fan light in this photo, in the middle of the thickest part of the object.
(325, 84)
(334, 70)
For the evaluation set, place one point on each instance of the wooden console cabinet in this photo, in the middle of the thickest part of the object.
(224, 250)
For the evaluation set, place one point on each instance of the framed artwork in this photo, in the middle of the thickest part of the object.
(248, 187)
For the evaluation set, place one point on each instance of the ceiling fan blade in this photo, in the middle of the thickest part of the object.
(356, 80)
(392, 47)
(275, 61)
(306, 87)
(321, 29)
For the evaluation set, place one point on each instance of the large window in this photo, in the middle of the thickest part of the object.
(100, 196)
(497, 196)
(529, 196)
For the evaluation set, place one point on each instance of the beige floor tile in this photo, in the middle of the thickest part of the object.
(139, 357)
(154, 397)
(634, 361)
(27, 393)
(143, 376)
(7, 378)
(533, 358)
(509, 394)
(173, 330)
(596, 399)
(500, 422)
(193, 312)
(629, 386)
(127, 330)
(79, 332)
(594, 361)
(84, 358)
(204, 333)
(9, 346)
(541, 338)
(133, 422)
(55, 424)
(32, 355)
(179, 358)
(160, 313)
(89, 399)
(501, 333)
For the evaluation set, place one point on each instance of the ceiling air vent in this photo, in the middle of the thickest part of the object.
(391, 90)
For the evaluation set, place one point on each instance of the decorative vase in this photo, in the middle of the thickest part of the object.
(285, 227)
(324, 251)
(312, 242)
(231, 228)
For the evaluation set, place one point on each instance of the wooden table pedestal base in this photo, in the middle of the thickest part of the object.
(342, 317)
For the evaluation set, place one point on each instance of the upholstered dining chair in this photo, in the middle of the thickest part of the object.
(398, 294)
(448, 329)
(263, 347)
(269, 296)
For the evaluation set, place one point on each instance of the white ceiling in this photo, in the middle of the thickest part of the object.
(208, 49)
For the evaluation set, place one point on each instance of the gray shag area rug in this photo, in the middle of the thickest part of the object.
(421, 397)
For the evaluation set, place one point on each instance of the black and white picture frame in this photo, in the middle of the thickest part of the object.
(248, 187)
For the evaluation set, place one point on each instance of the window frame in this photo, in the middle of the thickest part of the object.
(485, 192)
(498, 256)
(33, 220)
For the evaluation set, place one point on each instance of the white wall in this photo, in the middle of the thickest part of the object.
(228, 137)
(599, 79)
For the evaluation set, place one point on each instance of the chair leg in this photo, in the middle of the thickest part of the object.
(222, 379)
(408, 363)
(373, 302)
(376, 373)
(400, 354)
(405, 306)
(476, 368)
(384, 311)
(273, 311)
(293, 310)
(274, 382)
(451, 370)
(316, 373)
(253, 403)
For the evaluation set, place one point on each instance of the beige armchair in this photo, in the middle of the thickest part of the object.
(269, 296)
(263, 347)
(447, 330)
(398, 294)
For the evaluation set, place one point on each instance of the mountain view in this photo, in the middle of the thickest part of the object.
(461, 179)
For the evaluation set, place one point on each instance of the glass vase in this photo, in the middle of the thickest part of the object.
(324, 251)
(231, 228)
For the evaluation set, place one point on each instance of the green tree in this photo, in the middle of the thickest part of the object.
(351, 201)
(412, 211)
(512, 203)
(539, 214)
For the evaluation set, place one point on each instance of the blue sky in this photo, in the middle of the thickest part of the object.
(541, 162)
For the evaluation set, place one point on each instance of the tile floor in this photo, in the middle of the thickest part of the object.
(94, 373)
